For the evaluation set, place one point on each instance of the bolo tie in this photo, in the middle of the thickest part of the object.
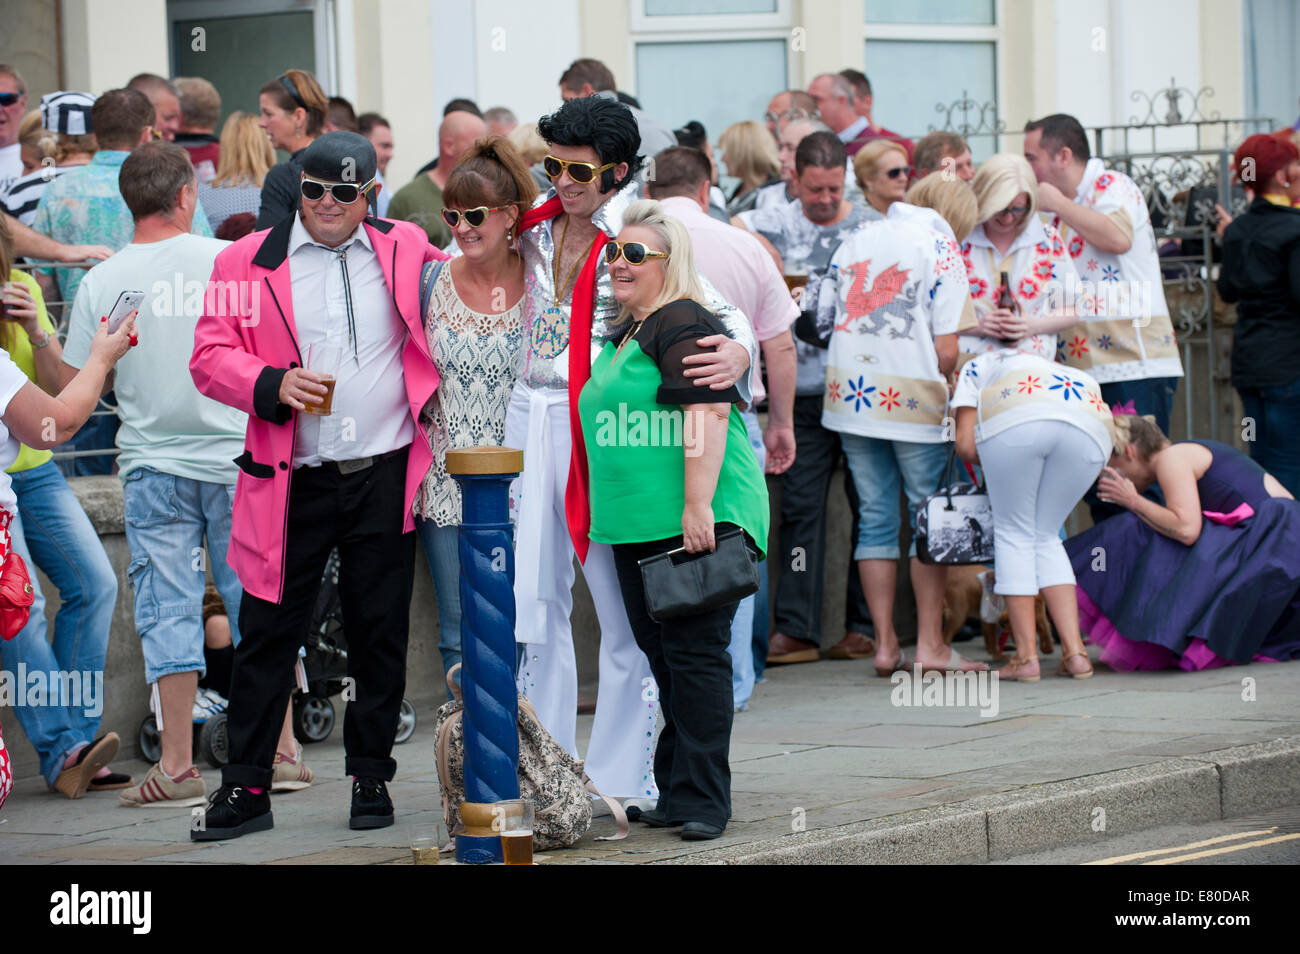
(342, 255)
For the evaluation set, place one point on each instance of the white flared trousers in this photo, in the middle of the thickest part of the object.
(621, 751)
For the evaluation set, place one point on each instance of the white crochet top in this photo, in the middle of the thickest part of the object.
(478, 357)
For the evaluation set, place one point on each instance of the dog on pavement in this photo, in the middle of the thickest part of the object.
(961, 601)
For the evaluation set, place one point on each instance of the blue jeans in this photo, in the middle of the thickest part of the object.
(1149, 396)
(167, 521)
(741, 647)
(1276, 413)
(441, 552)
(762, 623)
(878, 467)
(53, 533)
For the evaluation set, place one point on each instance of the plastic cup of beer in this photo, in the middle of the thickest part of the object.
(794, 279)
(514, 820)
(426, 840)
(324, 360)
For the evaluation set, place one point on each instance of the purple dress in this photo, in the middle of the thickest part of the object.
(1232, 597)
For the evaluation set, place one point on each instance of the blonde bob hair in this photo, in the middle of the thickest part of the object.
(750, 152)
(246, 155)
(870, 159)
(681, 280)
(999, 180)
(948, 196)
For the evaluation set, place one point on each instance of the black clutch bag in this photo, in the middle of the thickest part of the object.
(680, 584)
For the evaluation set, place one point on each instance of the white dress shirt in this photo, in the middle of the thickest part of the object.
(371, 414)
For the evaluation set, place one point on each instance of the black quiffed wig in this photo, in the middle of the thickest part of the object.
(604, 124)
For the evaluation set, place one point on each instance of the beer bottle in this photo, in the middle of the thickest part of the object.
(1008, 301)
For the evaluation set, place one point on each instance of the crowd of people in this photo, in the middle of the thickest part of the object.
(887, 302)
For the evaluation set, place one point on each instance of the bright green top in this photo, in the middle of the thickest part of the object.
(20, 350)
(638, 436)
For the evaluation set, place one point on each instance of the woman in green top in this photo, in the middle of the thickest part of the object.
(52, 532)
(667, 471)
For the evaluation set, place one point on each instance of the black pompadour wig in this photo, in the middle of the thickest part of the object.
(603, 124)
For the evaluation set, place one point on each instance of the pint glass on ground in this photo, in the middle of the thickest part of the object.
(514, 820)
(324, 359)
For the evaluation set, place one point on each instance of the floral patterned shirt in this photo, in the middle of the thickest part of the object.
(1039, 269)
(85, 207)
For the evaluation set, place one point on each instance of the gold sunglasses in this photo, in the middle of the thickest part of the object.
(473, 217)
(580, 172)
(634, 253)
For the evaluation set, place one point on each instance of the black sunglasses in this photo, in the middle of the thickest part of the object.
(580, 172)
(1017, 211)
(897, 171)
(473, 217)
(634, 253)
(8, 99)
(344, 192)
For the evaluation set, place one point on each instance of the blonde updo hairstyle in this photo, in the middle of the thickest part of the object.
(950, 197)
(999, 180)
(680, 278)
(1141, 431)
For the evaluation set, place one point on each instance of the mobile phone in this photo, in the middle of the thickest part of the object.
(127, 302)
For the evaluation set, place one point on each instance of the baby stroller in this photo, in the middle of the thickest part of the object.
(323, 666)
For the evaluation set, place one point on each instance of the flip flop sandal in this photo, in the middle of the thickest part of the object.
(112, 780)
(955, 660)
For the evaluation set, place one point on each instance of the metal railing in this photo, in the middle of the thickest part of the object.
(59, 311)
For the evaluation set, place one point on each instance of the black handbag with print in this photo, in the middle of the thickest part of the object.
(954, 525)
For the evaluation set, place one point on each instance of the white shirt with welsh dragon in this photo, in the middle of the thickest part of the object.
(1124, 332)
(900, 283)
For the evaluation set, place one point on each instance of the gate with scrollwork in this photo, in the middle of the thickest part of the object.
(1178, 152)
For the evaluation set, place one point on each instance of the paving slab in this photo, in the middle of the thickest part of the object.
(825, 768)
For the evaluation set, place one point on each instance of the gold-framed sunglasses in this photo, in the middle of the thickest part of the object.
(580, 172)
(345, 193)
(473, 217)
(634, 253)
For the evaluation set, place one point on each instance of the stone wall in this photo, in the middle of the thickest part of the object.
(127, 695)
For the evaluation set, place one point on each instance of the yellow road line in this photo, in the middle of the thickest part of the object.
(1119, 859)
(1223, 851)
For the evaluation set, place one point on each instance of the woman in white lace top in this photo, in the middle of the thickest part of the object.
(475, 334)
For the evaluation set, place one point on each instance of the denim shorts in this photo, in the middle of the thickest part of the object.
(878, 467)
(167, 521)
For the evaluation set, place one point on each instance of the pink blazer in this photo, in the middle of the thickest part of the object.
(244, 344)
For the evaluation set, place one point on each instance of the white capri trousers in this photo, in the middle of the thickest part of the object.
(1036, 473)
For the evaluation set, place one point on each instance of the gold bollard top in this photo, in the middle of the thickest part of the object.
(485, 460)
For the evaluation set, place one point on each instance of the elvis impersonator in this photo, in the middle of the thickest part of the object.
(593, 164)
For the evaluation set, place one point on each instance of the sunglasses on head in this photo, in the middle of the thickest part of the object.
(473, 217)
(580, 172)
(634, 253)
(897, 171)
(345, 193)
(8, 99)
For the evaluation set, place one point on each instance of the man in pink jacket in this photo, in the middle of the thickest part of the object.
(331, 288)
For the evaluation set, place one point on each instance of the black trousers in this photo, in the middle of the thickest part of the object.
(689, 660)
(805, 488)
(361, 514)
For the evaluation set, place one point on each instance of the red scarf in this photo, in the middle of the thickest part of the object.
(577, 494)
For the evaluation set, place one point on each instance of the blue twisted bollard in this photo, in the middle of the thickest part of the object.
(487, 633)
